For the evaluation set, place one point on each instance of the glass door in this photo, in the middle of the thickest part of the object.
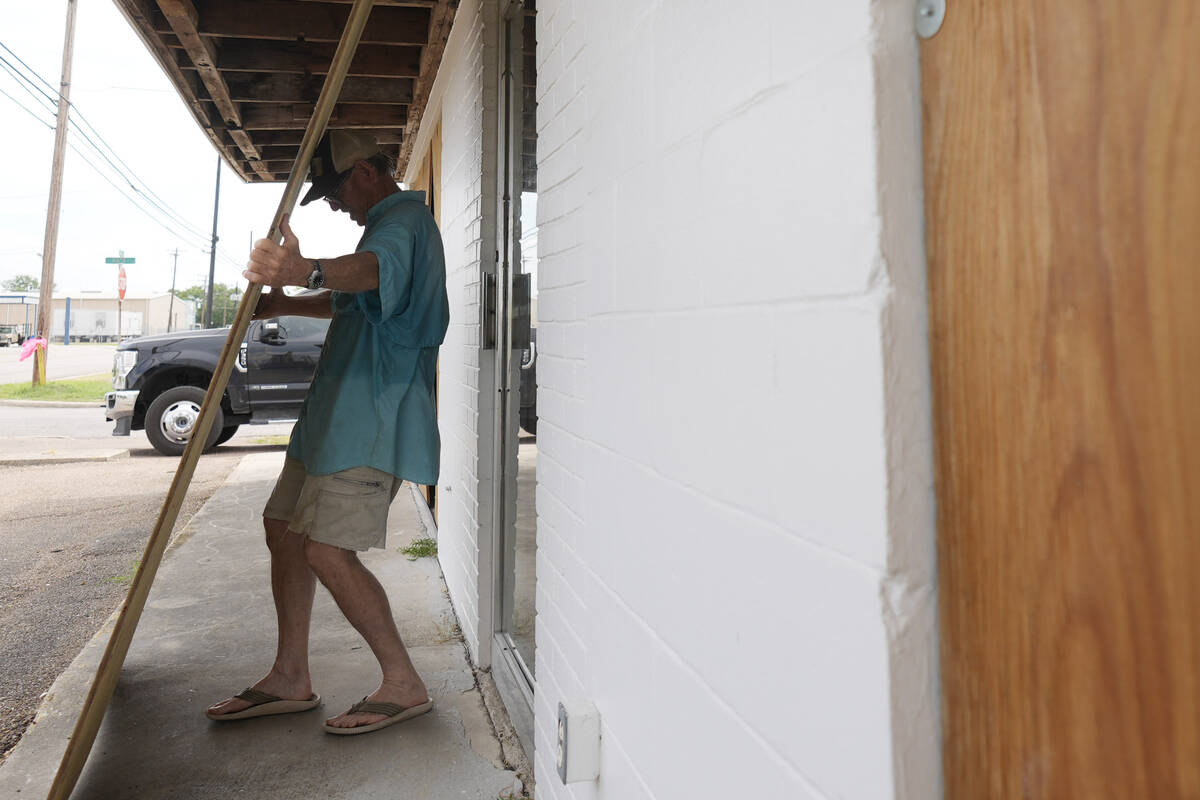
(515, 664)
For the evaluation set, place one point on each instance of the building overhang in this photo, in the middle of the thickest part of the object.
(250, 71)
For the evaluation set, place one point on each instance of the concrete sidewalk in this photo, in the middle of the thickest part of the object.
(209, 630)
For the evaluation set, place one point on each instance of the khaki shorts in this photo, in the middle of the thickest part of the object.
(347, 509)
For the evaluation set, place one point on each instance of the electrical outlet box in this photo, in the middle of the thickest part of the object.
(578, 756)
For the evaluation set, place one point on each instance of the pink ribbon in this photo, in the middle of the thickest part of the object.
(30, 345)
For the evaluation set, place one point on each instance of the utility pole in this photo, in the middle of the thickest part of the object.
(212, 256)
(45, 295)
(171, 302)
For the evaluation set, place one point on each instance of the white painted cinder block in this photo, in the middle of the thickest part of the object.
(735, 508)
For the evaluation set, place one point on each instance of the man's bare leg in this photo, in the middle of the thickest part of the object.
(364, 602)
(293, 586)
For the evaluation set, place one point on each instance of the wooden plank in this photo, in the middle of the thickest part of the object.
(348, 116)
(1062, 145)
(260, 87)
(275, 166)
(285, 152)
(182, 17)
(440, 23)
(285, 20)
(109, 670)
(267, 137)
(377, 61)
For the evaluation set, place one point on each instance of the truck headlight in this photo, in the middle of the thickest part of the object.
(123, 362)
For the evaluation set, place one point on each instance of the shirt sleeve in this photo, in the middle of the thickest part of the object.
(392, 243)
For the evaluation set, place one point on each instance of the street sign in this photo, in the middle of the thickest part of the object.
(121, 283)
(119, 260)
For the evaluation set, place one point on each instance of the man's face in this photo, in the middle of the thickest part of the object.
(351, 195)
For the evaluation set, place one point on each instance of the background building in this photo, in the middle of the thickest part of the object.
(20, 309)
(94, 317)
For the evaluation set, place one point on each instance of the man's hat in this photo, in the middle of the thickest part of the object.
(337, 153)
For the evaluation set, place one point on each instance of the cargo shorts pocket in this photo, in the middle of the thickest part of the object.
(352, 487)
(352, 510)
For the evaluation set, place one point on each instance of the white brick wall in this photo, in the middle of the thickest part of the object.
(735, 501)
(459, 94)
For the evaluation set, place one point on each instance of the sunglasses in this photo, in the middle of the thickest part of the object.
(334, 198)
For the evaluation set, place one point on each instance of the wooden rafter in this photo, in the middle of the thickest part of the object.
(276, 153)
(284, 116)
(182, 16)
(378, 61)
(267, 138)
(251, 87)
(249, 70)
(139, 14)
(285, 20)
(440, 22)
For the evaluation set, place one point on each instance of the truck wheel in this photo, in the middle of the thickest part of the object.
(172, 417)
(529, 420)
(226, 434)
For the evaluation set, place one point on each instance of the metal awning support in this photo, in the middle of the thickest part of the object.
(109, 670)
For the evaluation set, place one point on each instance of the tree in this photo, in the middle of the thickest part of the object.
(225, 303)
(21, 283)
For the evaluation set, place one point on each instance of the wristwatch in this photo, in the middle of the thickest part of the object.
(316, 278)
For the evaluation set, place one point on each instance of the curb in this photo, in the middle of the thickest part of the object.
(53, 403)
(66, 458)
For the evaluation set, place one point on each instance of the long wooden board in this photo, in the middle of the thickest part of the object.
(1062, 149)
(109, 671)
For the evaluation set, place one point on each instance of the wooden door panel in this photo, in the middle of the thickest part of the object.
(1062, 168)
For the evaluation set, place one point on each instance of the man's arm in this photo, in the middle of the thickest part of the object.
(282, 265)
(277, 304)
(356, 272)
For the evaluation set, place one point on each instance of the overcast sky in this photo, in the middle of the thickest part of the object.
(122, 92)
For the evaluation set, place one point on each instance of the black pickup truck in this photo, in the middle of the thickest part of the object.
(159, 381)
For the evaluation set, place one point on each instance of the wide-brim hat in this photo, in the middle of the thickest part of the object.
(337, 153)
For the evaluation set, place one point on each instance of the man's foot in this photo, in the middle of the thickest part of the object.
(402, 695)
(275, 684)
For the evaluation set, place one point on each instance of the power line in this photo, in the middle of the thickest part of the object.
(26, 110)
(190, 231)
(149, 195)
(90, 163)
(141, 208)
(54, 99)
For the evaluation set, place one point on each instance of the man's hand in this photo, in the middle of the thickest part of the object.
(278, 264)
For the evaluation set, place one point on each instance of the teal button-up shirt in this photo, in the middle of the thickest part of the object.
(371, 402)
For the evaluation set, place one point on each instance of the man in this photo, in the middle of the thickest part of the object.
(367, 423)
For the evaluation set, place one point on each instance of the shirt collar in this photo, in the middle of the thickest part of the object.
(382, 207)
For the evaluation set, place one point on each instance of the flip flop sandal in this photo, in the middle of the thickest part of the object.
(265, 705)
(394, 713)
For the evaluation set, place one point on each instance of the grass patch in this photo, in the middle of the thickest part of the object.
(127, 577)
(271, 439)
(89, 388)
(420, 548)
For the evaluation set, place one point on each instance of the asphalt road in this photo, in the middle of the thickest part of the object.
(72, 534)
(73, 361)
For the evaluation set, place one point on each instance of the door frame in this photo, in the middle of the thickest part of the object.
(514, 679)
